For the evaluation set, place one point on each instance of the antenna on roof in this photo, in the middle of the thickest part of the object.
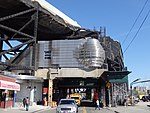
(102, 32)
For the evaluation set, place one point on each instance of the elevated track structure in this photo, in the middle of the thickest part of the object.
(28, 22)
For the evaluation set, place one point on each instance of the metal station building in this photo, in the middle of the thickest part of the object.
(51, 56)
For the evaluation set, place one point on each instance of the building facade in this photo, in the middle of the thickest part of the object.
(8, 91)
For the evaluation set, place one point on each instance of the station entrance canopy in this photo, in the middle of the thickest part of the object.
(116, 76)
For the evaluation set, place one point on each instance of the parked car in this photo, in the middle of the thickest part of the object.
(136, 100)
(146, 98)
(67, 106)
(133, 100)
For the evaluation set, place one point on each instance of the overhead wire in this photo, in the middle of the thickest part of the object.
(137, 32)
(135, 22)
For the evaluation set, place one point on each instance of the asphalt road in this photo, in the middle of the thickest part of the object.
(141, 107)
(83, 110)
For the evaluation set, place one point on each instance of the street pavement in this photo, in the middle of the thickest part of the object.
(141, 107)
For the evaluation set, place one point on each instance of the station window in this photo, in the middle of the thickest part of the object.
(47, 54)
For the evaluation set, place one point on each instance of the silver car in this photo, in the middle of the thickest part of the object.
(67, 106)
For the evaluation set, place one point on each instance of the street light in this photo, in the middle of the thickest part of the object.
(131, 88)
(134, 81)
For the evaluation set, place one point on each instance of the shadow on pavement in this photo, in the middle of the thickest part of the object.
(148, 105)
(87, 103)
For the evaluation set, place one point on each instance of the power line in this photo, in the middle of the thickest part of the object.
(137, 31)
(134, 22)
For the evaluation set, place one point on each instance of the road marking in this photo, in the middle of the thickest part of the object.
(84, 110)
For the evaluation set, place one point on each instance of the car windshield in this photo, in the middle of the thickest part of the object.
(67, 102)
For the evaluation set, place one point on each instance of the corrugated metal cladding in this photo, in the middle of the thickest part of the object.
(71, 53)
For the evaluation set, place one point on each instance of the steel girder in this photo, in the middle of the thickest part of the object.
(25, 39)
(119, 91)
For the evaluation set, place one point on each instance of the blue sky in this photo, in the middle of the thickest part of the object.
(118, 17)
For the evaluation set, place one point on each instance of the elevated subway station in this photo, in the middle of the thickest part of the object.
(109, 95)
(52, 46)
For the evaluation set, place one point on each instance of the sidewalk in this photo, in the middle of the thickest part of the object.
(141, 107)
(32, 109)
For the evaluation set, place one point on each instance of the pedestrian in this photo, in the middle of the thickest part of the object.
(27, 103)
(24, 102)
(126, 101)
(68, 96)
(97, 105)
(95, 97)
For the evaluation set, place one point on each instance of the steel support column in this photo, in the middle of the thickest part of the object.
(50, 92)
(1, 45)
(34, 54)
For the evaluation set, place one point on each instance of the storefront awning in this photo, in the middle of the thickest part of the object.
(9, 85)
(116, 74)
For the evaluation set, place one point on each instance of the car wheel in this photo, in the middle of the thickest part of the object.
(135, 101)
